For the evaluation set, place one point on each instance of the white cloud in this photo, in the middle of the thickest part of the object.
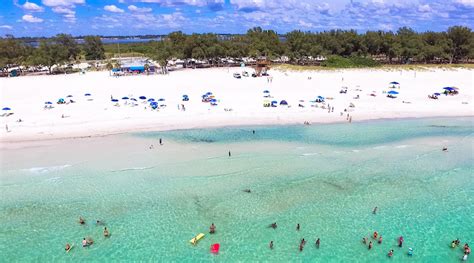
(186, 2)
(121, 1)
(62, 2)
(134, 8)
(424, 8)
(113, 9)
(6, 27)
(469, 3)
(68, 14)
(31, 19)
(32, 7)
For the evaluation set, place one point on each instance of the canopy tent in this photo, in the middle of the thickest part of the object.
(394, 85)
(69, 96)
(151, 99)
(283, 102)
(161, 99)
(7, 109)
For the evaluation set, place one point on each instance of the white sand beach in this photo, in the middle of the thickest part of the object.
(96, 115)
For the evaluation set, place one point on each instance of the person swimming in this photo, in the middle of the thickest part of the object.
(89, 241)
(247, 191)
(81, 220)
(464, 258)
(230, 154)
(302, 243)
(68, 247)
(298, 227)
(375, 210)
(380, 239)
(318, 242)
(400, 241)
(364, 240)
(106, 232)
(410, 252)
(273, 225)
(376, 235)
(84, 242)
(212, 229)
(370, 245)
(390, 253)
(467, 249)
(271, 245)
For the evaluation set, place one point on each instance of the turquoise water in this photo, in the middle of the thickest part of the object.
(328, 178)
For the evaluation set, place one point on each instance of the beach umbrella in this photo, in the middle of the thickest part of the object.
(87, 94)
(392, 92)
(69, 96)
(394, 83)
(283, 102)
(209, 93)
(321, 97)
(266, 91)
(161, 99)
(48, 102)
(142, 97)
(274, 102)
(185, 96)
(213, 100)
(133, 99)
(6, 109)
(437, 94)
(448, 88)
(124, 98)
(114, 100)
(151, 99)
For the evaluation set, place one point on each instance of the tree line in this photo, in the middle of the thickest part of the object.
(455, 45)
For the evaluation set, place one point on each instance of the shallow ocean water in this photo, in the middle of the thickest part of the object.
(328, 178)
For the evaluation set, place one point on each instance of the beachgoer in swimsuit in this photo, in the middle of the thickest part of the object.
(273, 225)
(318, 242)
(400, 241)
(230, 154)
(84, 242)
(212, 229)
(271, 244)
(390, 253)
(380, 239)
(298, 227)
(364, 240)
(375, 210)
(370, 245)
(106, 232)
(81, 221)
(68, 247)
(161, 141)
(410, 252)
(376, 235)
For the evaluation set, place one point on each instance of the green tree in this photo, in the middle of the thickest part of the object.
(460, 42)
(49, 54)
(70, 44)
(93, 48)
(13, 52)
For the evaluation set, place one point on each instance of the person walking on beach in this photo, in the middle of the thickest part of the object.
(6, 127)
(318, 242)
(298, 227)
(271, 245)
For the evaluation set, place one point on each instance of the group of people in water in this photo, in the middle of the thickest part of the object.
(466, 248)
(377, 237)
(88, 241)
(302, 242)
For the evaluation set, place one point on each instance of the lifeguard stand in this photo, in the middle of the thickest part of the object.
(262, 66)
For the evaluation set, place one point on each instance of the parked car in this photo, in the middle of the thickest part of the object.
(237, 76)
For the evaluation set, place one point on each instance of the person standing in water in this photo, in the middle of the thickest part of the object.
(298, 227)
(370, 245)
(400, 241)
(253, 131)
(318, 242)
(375, 210)
(212, 229)
(380, 239)
(106, 232)
(271, 245)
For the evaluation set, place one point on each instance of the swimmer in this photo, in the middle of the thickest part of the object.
(400, 241)
(89, 241)
(380, 239)
(410, 252)
(68, 247)
(247, 191)
(453, 244)
(84, 242)
(390, 253)
(212, 229)
(370, 245)
(106, 232)
(467, 249)
(253, 132)
(445, 149)
(375, 210)
(298, 227)
(364, 240)
(376, 235)
(464, 258)
(81, 220)
(273, 225)
(271, 245)
(458, 241)
(318, 242)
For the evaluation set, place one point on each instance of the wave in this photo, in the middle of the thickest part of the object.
(47, 169)
(133, 169)
(309, 154)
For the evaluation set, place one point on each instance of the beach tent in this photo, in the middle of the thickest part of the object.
(6, 109)
(185, 98)
(124, 98)
(209, 93)
(114, 100)
(283, 102)
(274, 103)
(133, 99)
(61, 100)
(437, 94)
(69, 96)
(142, 97)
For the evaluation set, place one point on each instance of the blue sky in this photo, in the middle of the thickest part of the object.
(135, 17)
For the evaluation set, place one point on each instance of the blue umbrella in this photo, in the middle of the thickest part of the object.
(125, 98)
(437, 94)
(142, 97)
(266, 91)
(48, 102)
(87, 94)
(209, 93)
(6, 108)
(448, 88)
(394, 83)
(114, 100)
(213, 100)
(151, 99)
(283, 102)
(393, 92)
(185, 96)
(274, 102)
(321, 97)
(161, 99)
(133, 99)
